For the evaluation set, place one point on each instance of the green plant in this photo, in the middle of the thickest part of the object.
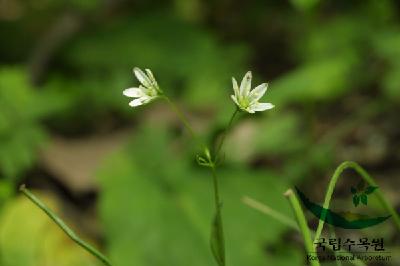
(328, 196)
(246, 100)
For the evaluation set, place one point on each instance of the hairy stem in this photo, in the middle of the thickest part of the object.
(301, 220)
(328, 196)
(64, 227)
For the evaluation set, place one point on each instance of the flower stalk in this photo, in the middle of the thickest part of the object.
(245, 100)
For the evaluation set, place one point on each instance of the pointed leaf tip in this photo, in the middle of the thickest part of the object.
(217, 239)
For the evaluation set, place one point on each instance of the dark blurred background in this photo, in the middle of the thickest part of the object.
(125, 178)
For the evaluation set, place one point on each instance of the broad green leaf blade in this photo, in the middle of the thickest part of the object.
(217, 239)
(353, 190)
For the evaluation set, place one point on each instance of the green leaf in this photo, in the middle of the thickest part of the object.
(37, 240)
(356, 200)
(370, 189)
(364, 199)
(304, 5)
(150, 204)
(353, 190)
(217, 239)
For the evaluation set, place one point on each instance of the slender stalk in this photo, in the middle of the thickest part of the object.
(216, 189)
(333, 235)
(343, 166)
(64, 227)
(262, 207)
(181, 116)
(221, 143)
(271, 212)
(218, 236)
(301, 220)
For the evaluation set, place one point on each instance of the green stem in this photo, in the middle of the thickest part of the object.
(301, 219)
(216, 189)
(271, 212)
(64, 227)
(181, 116)
(217, 235)
(343, 166)
(221, 143)
(288, 221)
(333, 235)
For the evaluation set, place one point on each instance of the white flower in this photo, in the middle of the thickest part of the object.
(146, 92)
(247, 100)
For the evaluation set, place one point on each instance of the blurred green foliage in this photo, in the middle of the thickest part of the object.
(21, 132)
(333, 66)
(36, 240)
(165, 207)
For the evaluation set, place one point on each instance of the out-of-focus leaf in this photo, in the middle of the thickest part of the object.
(268, 135)
(29, 238)
(317, 81)
(217, 239)
(6, 190)
(21, 111)
(150, 204)
(196, 66)
(304, 5)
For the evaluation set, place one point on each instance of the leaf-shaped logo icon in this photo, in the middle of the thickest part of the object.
(364, 198)
(370, 190)
(356, 200)
(360, 194)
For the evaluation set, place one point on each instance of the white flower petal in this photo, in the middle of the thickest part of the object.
(133, 92)
(235, 87)
(151, 76)
(235, 100)
(250, 110)
(258, 107)
(258, 92)
(140, 101)
(245, 85)
(142, 77)
(136, 102)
